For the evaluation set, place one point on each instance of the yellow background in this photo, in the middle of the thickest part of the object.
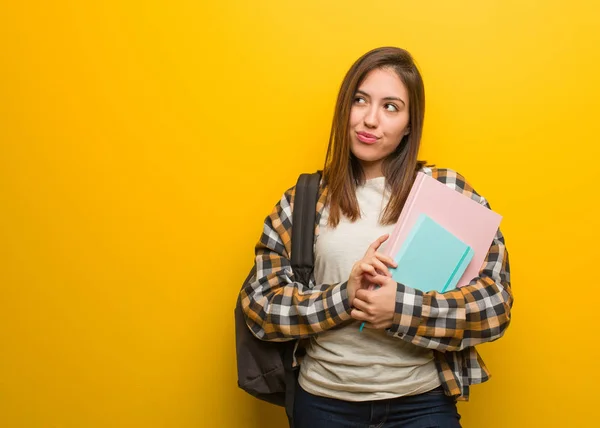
(142, 143)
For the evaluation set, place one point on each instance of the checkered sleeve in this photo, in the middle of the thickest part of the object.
(277, 308)
(467, 316)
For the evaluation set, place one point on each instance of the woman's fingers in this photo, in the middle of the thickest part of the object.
(368, 277)
(386, 259)
(375, 245)
(380, 267)
(379, 279)
(367, 268)
(359, 315)
(362, 306)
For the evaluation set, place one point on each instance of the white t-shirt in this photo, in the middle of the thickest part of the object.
(345, 363)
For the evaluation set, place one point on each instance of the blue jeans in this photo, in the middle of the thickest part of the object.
(428, 410)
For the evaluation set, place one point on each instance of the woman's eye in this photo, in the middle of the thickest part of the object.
(391, 107)
(359, 100)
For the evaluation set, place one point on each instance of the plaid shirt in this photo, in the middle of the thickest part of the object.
(451, 324)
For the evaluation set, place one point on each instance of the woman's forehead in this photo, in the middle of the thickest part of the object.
(383, 82)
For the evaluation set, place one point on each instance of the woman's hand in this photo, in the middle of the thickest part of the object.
(376, 307)
(371, 265)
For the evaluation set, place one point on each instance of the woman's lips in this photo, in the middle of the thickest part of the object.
(366, 138)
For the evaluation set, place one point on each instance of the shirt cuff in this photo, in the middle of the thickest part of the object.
(408, 313)
(340, 302)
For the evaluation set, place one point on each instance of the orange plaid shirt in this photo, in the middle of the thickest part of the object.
(451, 324)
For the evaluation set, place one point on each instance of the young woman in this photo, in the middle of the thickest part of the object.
(417, 356)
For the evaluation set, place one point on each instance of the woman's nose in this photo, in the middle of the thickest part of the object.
(371, 120)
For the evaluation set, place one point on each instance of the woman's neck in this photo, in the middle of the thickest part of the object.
(372, 169)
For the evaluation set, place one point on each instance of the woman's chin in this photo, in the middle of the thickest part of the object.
(367, 156)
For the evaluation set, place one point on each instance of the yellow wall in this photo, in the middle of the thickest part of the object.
(129, 128)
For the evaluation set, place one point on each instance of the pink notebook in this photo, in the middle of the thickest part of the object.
(469, 221)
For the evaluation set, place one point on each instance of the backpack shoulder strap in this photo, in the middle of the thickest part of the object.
(303, 237)
(303, 225)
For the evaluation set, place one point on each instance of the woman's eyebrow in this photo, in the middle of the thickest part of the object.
(361, 92)
(394, 99)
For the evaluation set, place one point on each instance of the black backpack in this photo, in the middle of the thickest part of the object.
(265, 368)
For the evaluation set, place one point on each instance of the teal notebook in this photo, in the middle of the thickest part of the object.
(431, 258)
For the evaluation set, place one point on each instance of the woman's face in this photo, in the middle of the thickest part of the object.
(378, 119)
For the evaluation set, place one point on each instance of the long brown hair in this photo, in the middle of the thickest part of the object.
(342, 171)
